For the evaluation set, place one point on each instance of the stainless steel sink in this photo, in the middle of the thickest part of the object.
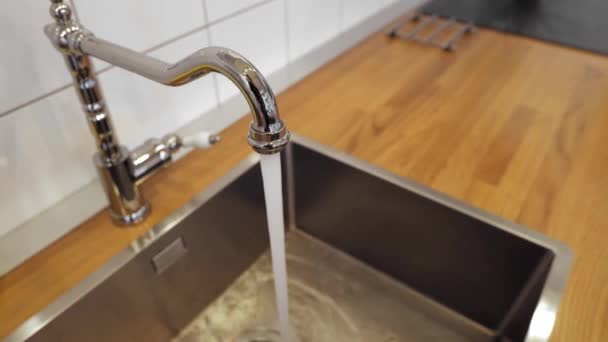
(371, 257)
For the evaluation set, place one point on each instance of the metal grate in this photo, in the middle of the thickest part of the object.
(432, 30)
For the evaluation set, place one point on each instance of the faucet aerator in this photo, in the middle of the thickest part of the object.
(268, 142)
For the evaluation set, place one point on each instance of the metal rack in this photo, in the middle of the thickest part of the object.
(428, 29)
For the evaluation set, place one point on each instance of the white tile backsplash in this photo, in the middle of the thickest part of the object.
(45, 146)
(139, 24)
(45, 154)
(29, 65)
(218, 9)
(259, 35)
(355, 11)
(142, 108)
(311, 23)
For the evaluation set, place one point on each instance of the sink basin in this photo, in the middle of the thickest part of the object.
(371, 257)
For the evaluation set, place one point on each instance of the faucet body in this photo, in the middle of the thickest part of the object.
(122, 171)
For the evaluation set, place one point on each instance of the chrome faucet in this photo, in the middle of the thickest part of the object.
(122, 171)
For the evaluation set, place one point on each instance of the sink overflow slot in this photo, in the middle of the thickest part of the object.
(169, 255)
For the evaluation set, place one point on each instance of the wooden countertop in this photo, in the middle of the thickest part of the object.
(511, 125)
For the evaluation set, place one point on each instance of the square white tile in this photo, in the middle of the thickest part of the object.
(311, 23)
(259, 35)
(218, 9)
(45, 154)
(139, 24)
(355, 11)
(143, 109)
(29, 65)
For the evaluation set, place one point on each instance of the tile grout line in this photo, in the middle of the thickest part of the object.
(216, 86)
(8, 112)
(341, 16)
(186, 34)
(286, 23)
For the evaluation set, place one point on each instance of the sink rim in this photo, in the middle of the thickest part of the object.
(544, 315)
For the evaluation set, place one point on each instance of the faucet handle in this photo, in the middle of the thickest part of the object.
(201, 140)
(155, 153)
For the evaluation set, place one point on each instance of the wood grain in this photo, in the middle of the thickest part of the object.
(514, 126)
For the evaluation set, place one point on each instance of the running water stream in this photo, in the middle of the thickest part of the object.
(271, 174)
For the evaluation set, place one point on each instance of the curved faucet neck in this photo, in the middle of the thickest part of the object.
(122, 170)
(267, 134)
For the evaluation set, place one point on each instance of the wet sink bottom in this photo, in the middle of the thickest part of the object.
(333, 297)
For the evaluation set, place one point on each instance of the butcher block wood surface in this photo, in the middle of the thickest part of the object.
(514, 126)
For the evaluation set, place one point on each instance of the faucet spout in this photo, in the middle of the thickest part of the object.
(267, 134)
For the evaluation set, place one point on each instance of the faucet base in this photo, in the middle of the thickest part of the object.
(132, 218)
(127, 205)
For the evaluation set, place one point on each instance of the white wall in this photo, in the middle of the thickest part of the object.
(45, 146)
